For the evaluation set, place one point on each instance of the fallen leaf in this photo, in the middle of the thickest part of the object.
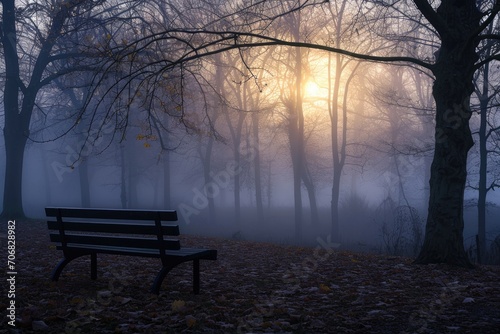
(324, 288)
(178, 305)
(190, 321)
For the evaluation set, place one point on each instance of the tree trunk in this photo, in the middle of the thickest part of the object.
(17, 120)
(337, 158)
(257, 168)
(16, 124)
(15, 143)
(83, 172)
(483, 160)
(452, 89)
(123, 178)
(237, 182)
(207, 167)
(211, 207)
(311, 193)
(335, 206)
(297, 191)
(167, 197)
(295, 140)
(297, 161)
(297, 134)
(46, 176)
(133, 176)
(483, 165)
(16, 132)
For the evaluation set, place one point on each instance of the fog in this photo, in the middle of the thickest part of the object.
(197, 174)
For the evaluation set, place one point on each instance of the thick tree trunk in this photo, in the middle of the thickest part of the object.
(15, 144)
(17, 119)
(452, 89)
(16, 126)
(444, 230)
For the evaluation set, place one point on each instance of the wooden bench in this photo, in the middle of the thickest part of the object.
(79, 232)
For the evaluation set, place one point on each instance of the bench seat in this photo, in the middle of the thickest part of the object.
(187, 254)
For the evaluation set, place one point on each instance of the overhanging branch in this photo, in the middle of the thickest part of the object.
(263, 41)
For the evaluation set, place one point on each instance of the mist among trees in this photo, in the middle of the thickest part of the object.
(372, 123)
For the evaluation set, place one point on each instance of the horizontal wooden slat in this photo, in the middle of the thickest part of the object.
(194, 253)
(170, 230)
(135, 242)
(87, 249)
(165, 215)
(186, 254)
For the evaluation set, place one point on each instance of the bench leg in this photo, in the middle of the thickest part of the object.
(67, 259)
(196, 276)
(155, 288)
(93, 266)
(59, 268)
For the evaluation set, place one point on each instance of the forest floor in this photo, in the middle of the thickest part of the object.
(252, 288)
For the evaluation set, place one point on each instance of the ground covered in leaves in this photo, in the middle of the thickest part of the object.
(251, 288)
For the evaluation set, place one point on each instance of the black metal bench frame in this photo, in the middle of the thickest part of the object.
(111, 231)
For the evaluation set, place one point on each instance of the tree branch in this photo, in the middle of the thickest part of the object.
(270, 41)
(493, 13)
(485, 61)
(431, 15)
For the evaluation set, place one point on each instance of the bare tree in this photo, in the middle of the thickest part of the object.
(486, 93)
(36, 50)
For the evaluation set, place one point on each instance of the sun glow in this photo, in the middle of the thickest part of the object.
(312, 89)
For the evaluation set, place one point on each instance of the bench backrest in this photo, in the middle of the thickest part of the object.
(110, 227)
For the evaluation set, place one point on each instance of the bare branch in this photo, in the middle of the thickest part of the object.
(271, 41)
(431, 15)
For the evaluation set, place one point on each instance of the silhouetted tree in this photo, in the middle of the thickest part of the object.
(46, 27)
(486, 94)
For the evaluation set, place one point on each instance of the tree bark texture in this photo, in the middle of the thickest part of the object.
(452, 89)
(16, 124)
